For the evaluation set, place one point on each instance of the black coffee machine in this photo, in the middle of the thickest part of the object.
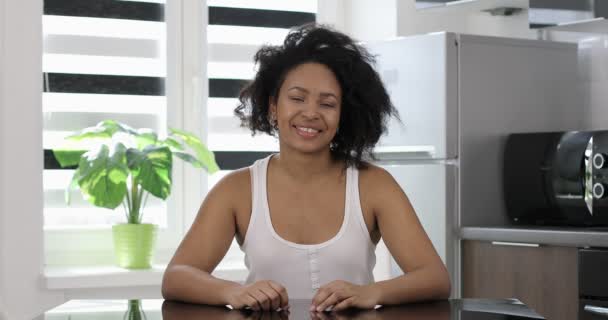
(557, 178)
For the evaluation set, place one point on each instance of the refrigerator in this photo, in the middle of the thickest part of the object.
(459, 96)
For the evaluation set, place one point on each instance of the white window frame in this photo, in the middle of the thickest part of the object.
(186, 91)
(186, 88)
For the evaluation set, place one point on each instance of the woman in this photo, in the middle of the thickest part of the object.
(309, 217)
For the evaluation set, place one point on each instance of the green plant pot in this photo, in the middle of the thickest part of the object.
(134, 245)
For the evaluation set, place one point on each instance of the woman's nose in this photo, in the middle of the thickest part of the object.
(311, 110)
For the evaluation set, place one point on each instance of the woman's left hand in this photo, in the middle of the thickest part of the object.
(341, 295)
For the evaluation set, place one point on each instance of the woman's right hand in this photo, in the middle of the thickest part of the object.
(264, 295)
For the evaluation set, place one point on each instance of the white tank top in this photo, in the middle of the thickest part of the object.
(303, 268)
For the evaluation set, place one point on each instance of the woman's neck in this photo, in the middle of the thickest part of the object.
(306, 166)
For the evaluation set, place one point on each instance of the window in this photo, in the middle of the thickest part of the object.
(103, 59)
(146, 63)
(236, 30)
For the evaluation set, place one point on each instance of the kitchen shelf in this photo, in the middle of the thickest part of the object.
(597, 25)
(558, 236)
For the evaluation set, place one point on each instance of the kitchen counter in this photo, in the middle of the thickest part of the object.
(463, 309)
(559, 236)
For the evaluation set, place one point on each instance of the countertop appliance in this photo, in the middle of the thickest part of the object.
(459, 96)
(557, 178)
(592, 284)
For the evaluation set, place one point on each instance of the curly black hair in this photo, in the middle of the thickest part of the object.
(366, 105)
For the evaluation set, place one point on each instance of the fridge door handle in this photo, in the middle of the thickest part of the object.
(400, 152)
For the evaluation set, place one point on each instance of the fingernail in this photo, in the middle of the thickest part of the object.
(312, 308)
(319, 308)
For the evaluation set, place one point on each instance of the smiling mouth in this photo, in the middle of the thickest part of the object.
(307, 132)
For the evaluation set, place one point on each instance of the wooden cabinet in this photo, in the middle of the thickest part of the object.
(544, 277)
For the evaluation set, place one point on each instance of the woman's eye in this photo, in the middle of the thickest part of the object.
(327, 105)
(297, 99)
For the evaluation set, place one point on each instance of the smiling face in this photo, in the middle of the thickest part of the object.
(308, 108)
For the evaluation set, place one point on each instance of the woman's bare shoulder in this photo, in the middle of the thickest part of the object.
(372, 175)
(238, 177)
(377, 185)
(234, 185)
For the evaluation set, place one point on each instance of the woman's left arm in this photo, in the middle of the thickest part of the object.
(425, 278)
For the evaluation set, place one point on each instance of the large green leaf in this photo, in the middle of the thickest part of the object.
(151, 169)
(103, 175)
(104, 129)
(203, 154)
(145, 137)
(189, 158)
(68, 158)
(173, 143)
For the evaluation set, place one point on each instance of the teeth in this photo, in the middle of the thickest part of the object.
(308, 130)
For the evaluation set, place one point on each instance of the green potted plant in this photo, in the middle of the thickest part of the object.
(119, 165)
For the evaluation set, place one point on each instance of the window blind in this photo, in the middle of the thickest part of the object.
(102, 59)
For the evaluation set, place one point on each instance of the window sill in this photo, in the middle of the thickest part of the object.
(64, 278)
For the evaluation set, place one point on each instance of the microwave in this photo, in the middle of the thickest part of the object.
(557, 178)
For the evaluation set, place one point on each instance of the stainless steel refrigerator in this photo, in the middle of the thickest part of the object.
(458, 97)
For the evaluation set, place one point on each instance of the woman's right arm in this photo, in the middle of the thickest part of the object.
(188, 276)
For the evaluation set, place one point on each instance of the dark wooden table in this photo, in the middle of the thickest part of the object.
(454, 309)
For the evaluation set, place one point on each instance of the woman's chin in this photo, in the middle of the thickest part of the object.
(308, 148)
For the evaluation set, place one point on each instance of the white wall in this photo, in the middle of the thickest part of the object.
(22, 292)
(383, 13)
(364, 20)
(592, 74)
(3, 315)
